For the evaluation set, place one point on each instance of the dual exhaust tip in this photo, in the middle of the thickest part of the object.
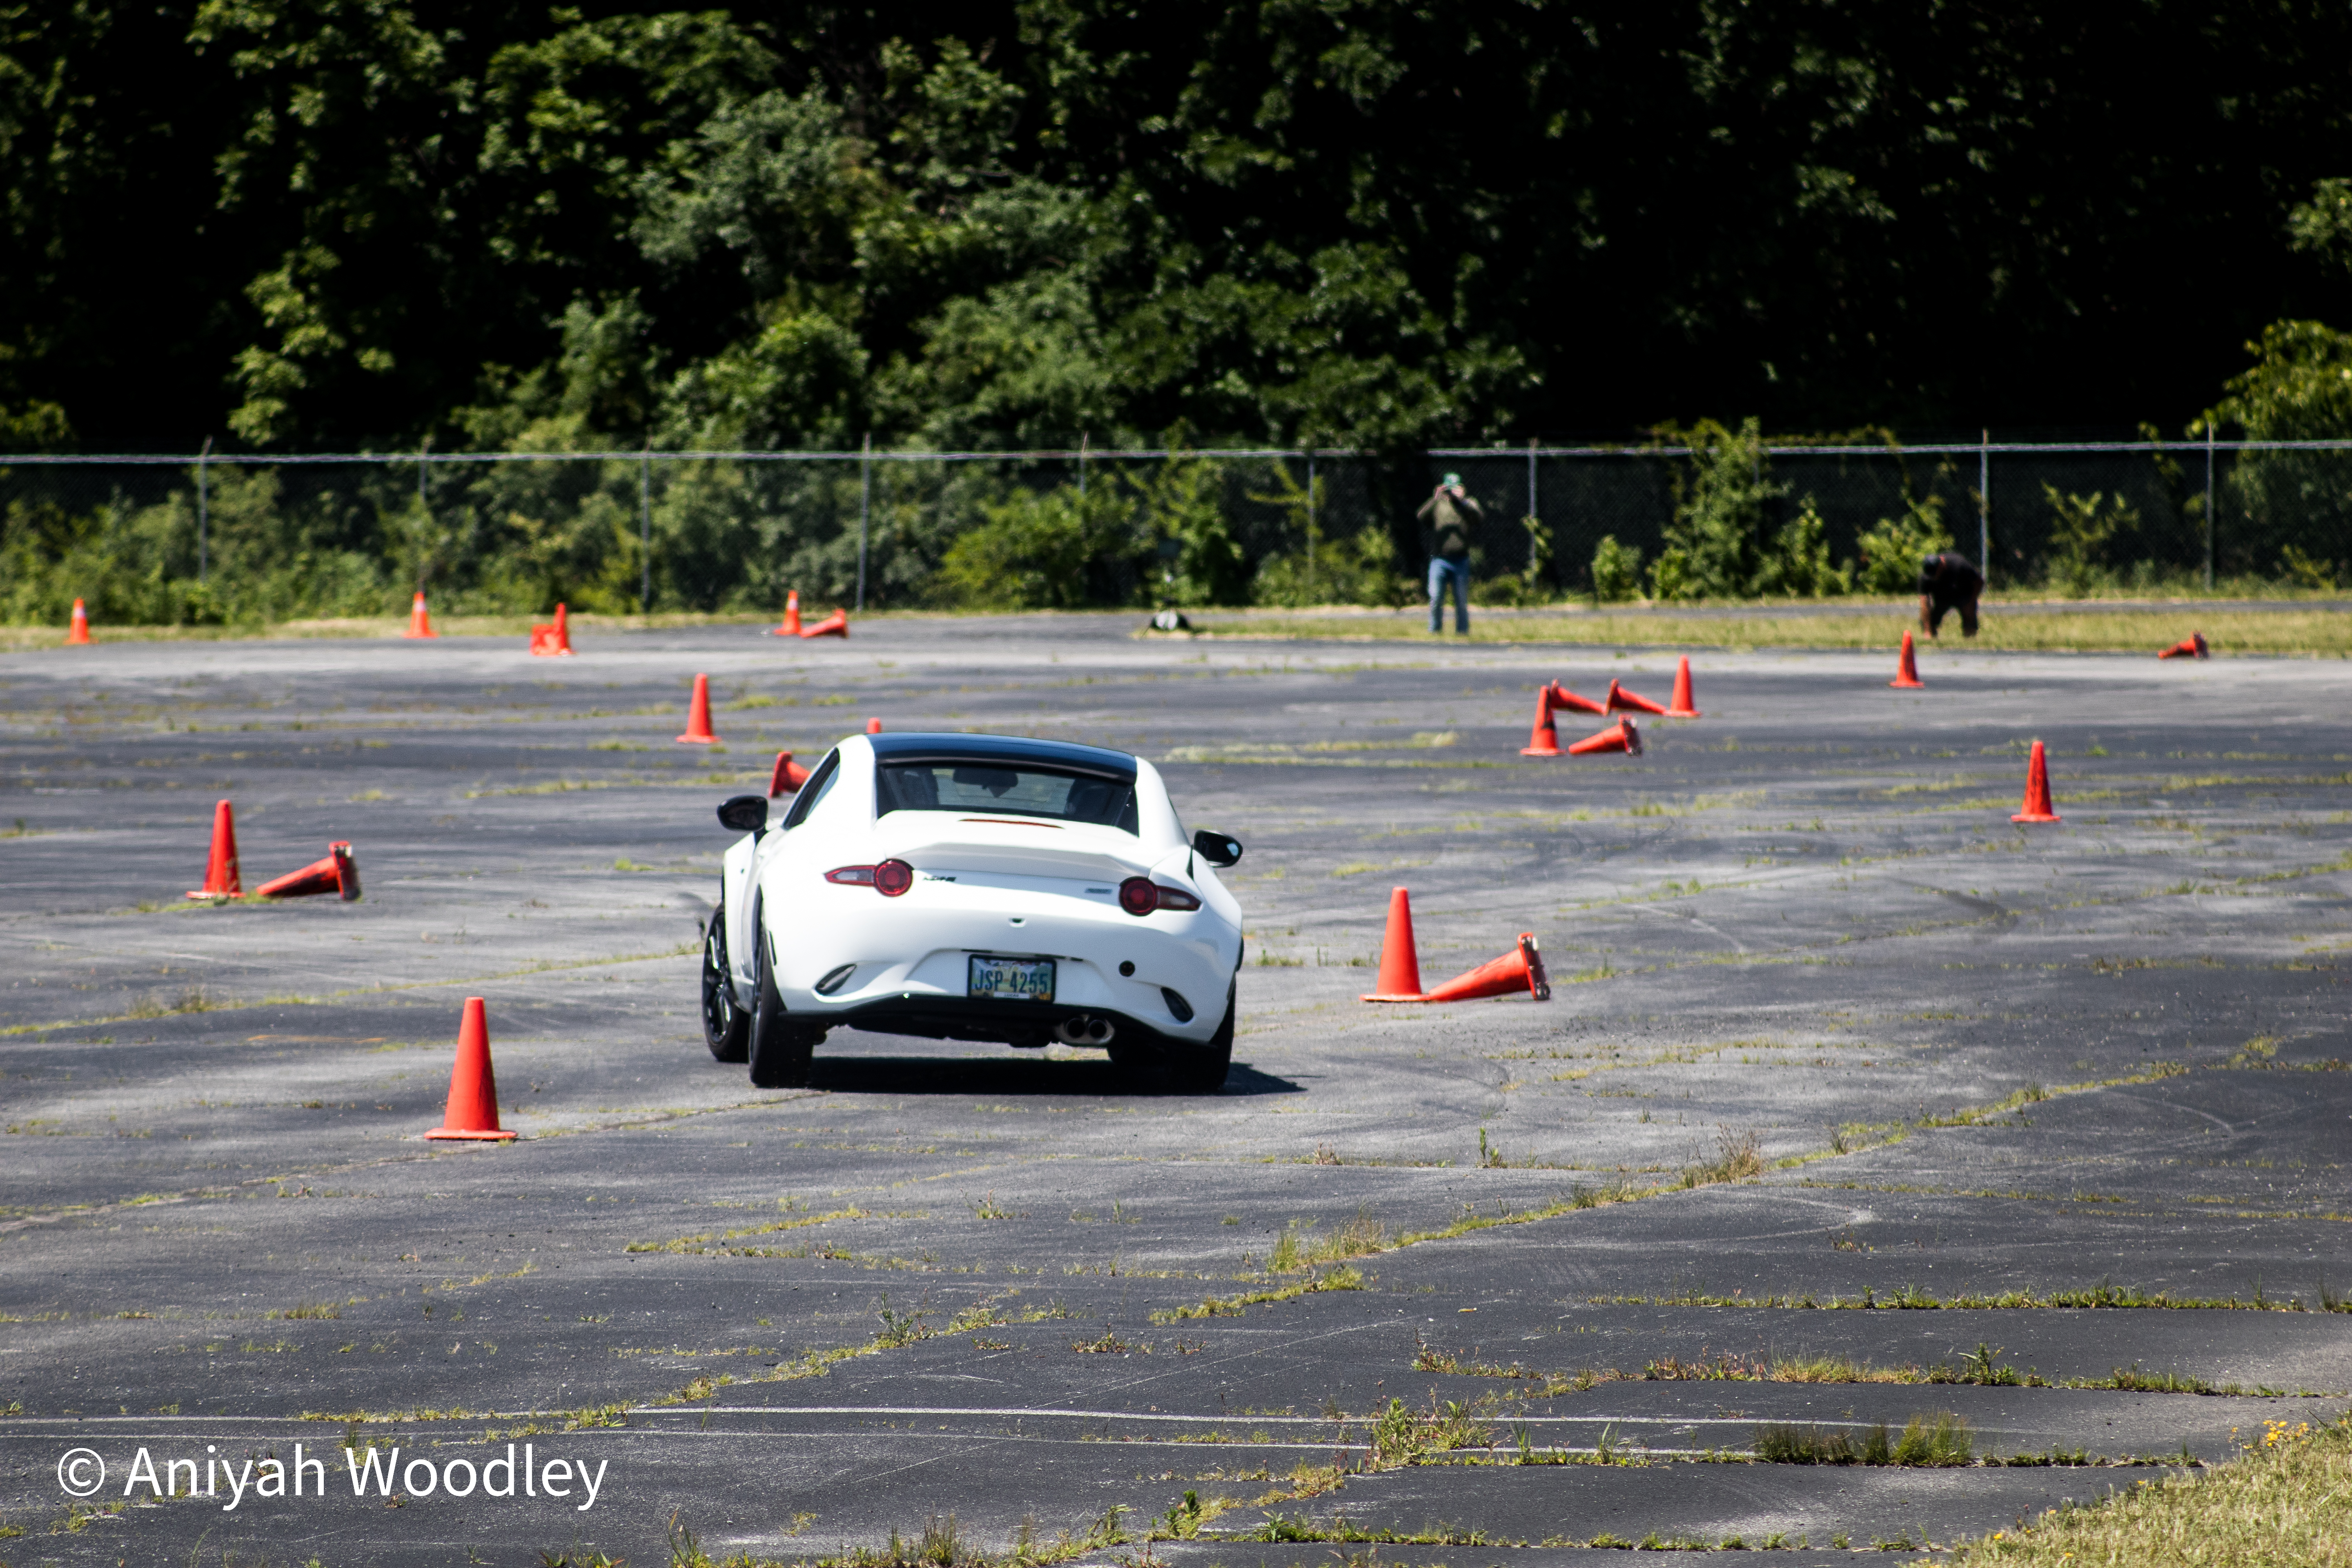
(1083, 1030)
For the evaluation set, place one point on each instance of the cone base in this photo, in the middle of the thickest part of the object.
(2035, 816)
(214, 898)
(1395, 996)
(1907, 685)
(1684, 713)
(449, 1134)
(1540, 751)
(697, 739)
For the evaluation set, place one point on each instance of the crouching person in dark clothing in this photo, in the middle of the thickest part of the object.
(1949, 581)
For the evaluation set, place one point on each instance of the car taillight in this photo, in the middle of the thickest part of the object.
(892, 877)
(1139, 896)
(851, 875)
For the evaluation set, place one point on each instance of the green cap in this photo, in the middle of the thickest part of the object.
(1453, 478)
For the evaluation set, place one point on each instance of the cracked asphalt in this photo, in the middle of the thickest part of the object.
(1853, 1103)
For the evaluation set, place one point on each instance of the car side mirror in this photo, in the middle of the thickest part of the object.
(744, 813)
(1216, 848)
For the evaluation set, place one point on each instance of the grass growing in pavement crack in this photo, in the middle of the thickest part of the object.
(1343, 1278)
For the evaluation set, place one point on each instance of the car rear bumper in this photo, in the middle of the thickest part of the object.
(945, 1017)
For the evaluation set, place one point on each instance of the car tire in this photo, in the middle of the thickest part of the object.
(725, 1027)
(781, 1045)
(1201, 1069)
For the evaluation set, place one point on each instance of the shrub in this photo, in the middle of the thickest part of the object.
(1616, 569)
(1713, 545)
(1041, 550)
(1893, 548)
(2080, 528)
(1798, 563)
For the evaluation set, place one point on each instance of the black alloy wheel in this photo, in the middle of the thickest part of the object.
(725, 1027)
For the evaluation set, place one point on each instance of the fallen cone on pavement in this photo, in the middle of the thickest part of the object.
(2037, 807)
(420, 624)
(473, 1113)
(1399, 977)
(788, 777)
(1622, 736)
(2190, 647)
(792, 626)
(338, 874)
(1521, 969)
(1622, 701)
(221, 880)
(874, 726)
(552, 642)
(77, 628)
(1681, 708)
(835, 625)
(698, 716)
(1906, 668)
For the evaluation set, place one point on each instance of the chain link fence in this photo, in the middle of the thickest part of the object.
(211, 538)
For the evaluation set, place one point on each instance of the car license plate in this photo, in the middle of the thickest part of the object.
(1014, 979)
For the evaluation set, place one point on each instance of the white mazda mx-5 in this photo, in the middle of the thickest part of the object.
(974, 887)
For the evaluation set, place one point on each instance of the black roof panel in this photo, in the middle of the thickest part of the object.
(916, 746)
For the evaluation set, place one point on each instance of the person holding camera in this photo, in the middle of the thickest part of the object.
(1451, 515)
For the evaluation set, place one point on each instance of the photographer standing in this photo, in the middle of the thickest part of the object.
(1452, 515)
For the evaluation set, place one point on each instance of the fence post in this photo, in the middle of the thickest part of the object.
(2208, 504)
(1984, 505)
(864, 507)
(1532, 513)
(424, 505)
(645, 530)
(203, 509)
(1310, 525)
(1082, 464)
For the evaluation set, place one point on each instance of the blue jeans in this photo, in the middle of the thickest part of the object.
(1443, 571)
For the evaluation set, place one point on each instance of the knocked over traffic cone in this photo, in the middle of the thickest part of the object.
(552, 642)
(1521, 969)
(835, 625)
(2191, 646)
(698, 716)
(1622, 736)
(1622, 701)
(221, 880)
(1680, 708)
(473, 1112)
(788, 777)
(77, 628)
(1400, 979)
(420, 624)
(1906, 668)
(874, 726)
(2037, 807)
(338, 873)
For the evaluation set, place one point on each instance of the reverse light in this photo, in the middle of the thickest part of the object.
(1139, 896)
(851, 875)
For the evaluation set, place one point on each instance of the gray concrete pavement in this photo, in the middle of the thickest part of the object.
(1983, 1077)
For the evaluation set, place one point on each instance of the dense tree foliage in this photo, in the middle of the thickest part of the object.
(321, 223)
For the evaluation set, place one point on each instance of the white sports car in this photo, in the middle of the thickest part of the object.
(974, 887)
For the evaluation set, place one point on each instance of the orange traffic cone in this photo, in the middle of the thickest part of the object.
(792, 626)
(1400, 979)
(473, 1113)
(1564, 700)
(835, 625)
(788, 777)
(874, 726)
(1681, 708)
(1521, 969)
(553, 641)
(2037, 807)
(1622, 700)
(1906, 668)
(698, 716)
(221, 880)
(338, 874)
(2190, 647)
(77, 628)
(420, 624)
(1543, 741)
(1622, 736)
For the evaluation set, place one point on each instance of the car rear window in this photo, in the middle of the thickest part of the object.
(995, 788)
